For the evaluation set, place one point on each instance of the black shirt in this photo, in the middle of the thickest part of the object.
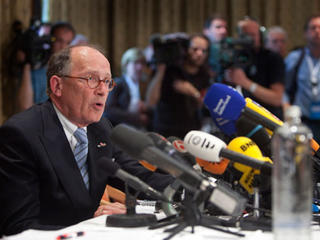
(266, 69)
(176, 113)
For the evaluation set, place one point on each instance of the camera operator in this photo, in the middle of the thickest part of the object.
(33, 84)
(263, 79)
(178, 89)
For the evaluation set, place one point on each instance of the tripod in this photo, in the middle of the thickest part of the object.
(190, 216)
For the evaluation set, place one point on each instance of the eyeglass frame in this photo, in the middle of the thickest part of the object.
(100, 80)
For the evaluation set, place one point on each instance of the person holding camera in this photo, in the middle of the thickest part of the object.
(263, 79)
(178, 88)
(33, 83)
(125, 103)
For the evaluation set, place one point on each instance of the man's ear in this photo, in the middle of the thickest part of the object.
(56, 85)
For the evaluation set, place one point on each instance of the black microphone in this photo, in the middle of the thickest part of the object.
(114, 170)
(163, 144)
(256, 132)
(140, 146)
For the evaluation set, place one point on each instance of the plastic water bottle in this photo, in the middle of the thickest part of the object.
(292, 178)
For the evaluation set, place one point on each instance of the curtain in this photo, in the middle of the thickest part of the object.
(10, 10)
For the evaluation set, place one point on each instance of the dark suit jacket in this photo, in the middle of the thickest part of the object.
(40, 183)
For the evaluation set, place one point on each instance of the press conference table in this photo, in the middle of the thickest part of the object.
(96, 229)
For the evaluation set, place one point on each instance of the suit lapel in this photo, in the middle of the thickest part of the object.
(62, 158)
(99, 149)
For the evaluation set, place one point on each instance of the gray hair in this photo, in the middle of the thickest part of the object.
(59, 65)
(277, 29)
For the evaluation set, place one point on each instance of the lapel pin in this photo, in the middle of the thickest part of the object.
(101, 144)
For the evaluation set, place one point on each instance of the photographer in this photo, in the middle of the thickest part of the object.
(263, 79)
(178, 88)
(33, 84)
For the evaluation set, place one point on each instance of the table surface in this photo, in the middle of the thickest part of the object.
(96, 229)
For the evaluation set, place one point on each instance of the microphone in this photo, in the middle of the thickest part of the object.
(248, 147)
(256, 132)
(114, 169)
(226, 105)
(212, 149)
(212, 167)
(163, 144)
(140, 146)
(254, 106)
(263, 112)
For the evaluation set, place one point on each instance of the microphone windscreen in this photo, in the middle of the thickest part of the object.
(245, 146)
(225, 105)
(123, 136)
(204, 145)
(217, 168)
(177, 143)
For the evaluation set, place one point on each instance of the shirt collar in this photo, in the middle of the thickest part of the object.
(67, 125)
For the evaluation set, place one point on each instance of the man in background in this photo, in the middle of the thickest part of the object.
(303, 77)
(276, 40)
(216, 29)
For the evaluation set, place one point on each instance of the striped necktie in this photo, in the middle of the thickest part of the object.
(80, 154)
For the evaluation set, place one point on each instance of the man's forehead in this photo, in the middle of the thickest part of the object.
(218, 23)
(83, 53)
(314, 21)
(89, 58)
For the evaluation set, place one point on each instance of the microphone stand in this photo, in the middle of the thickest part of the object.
(256, 204)
(256, 220)
(190, 216)
(131, 218)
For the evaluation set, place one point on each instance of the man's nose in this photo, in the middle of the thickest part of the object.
(102, 88)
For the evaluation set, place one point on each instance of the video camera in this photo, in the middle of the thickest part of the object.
(170, 49)
(35, 45)
(235, 52)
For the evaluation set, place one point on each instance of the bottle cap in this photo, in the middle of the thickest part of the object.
(292, 112)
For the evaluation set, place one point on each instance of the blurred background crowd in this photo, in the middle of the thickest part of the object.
(164, 54)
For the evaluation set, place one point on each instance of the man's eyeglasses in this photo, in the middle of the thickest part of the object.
(94, 82)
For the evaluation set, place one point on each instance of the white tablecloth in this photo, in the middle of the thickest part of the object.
(96, 229)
